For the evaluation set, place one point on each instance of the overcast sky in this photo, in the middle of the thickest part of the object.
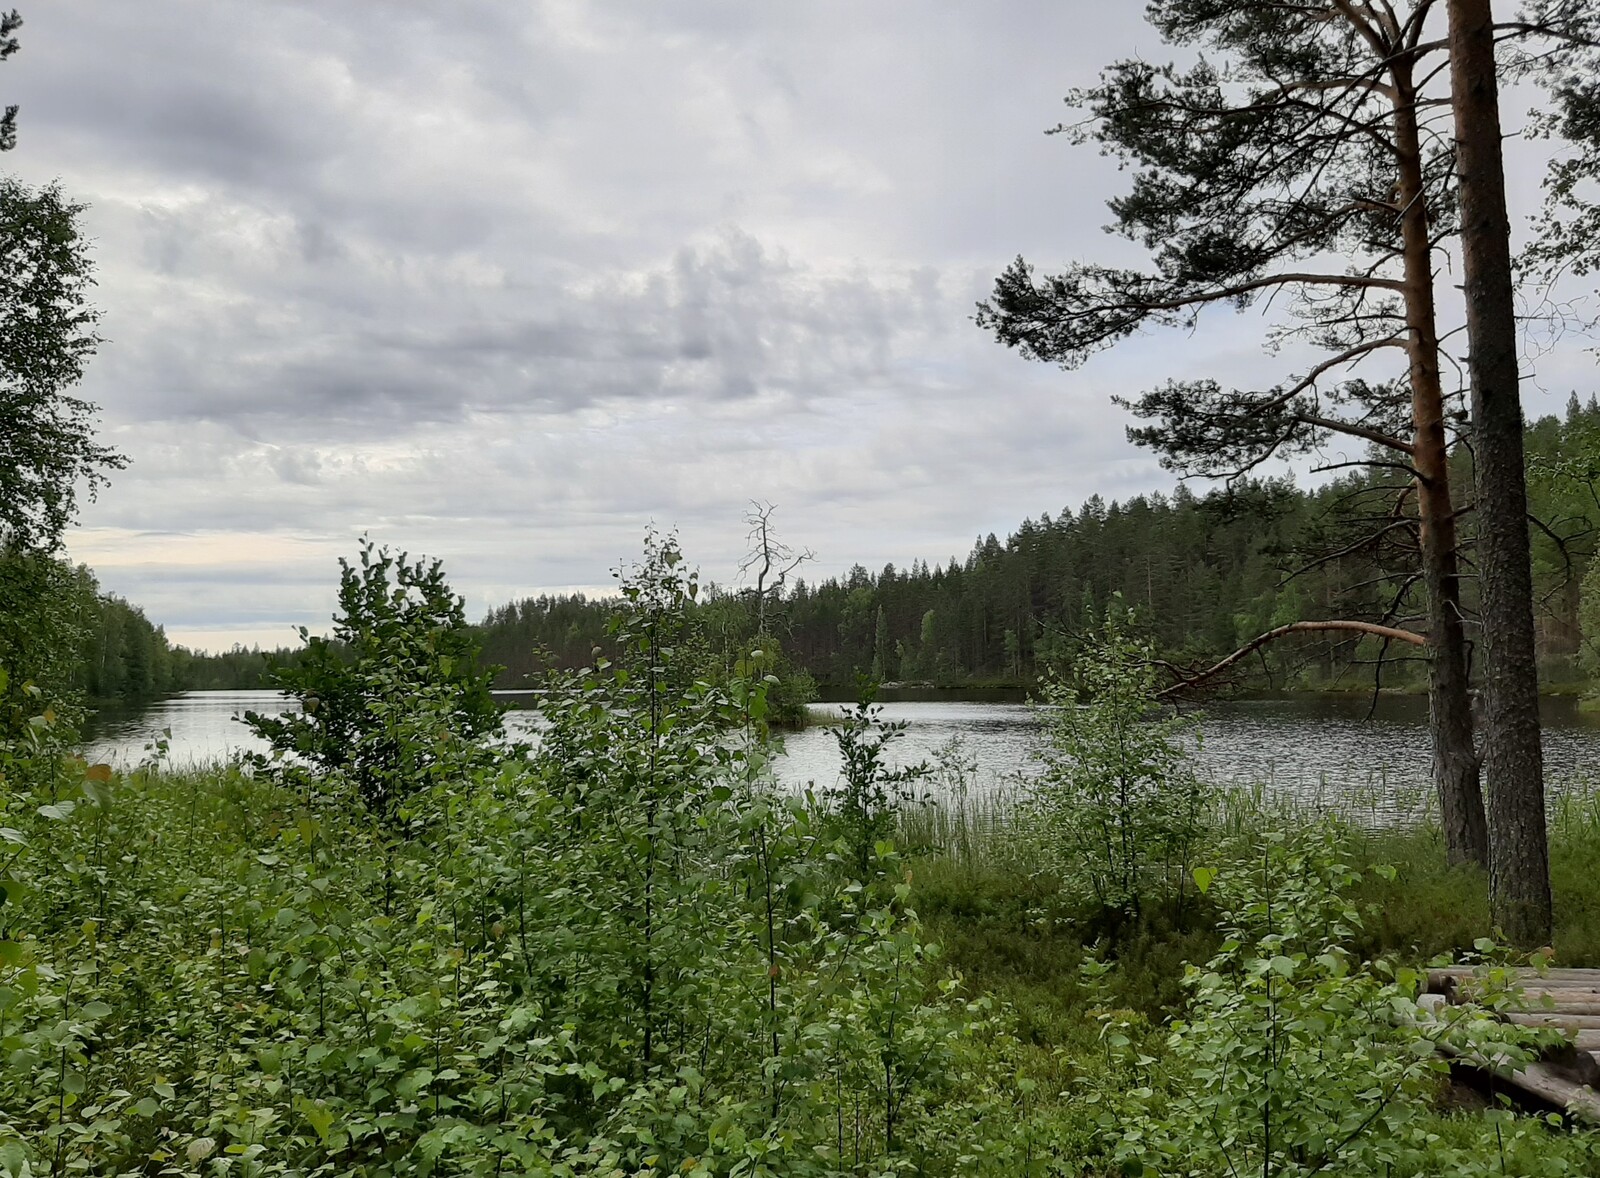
(504, 282)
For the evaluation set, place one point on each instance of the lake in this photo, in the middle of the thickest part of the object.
(1321, 750)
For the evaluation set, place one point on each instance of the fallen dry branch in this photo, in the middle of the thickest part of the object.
(1390, 633)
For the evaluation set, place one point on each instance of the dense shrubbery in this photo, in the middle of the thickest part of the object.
(1297, 1057)
(624, 953)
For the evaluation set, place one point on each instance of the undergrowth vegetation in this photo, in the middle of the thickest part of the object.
(625, 953)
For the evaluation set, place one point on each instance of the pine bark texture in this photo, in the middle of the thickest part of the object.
(1455, 762)
(1519, 868)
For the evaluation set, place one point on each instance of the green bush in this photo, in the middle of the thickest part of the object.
(870, 795)
(1117, 812)
(394, 702)
(1297, 1057)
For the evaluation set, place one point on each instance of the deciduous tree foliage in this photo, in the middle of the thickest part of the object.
(395, 701)
(47, 446)
(46, 335)
(10, 22)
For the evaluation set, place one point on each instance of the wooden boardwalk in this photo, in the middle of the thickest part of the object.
(1567, 999)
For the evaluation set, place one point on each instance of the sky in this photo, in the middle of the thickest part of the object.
(507, 283)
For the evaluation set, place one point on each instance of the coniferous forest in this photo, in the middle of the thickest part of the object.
(1205, 572)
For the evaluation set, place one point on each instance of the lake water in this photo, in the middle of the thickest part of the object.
(1324, 751)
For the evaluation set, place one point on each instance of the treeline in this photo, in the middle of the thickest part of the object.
(101, 648)
(95, 645)
(1204, 573)
(124, 656)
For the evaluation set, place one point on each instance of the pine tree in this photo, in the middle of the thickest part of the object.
(1519, 857)
(1302, 136)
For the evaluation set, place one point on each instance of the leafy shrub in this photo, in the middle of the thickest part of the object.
(1117, 812)
(867, 800)
(394, 701)
(1296, 1057)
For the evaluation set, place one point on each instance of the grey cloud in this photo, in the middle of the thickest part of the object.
(724, 319)
(504, 282)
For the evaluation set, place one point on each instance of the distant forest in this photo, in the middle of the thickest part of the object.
(123, 656)
(1203, 573)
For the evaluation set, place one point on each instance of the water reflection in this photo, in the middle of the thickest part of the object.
(1324, 751)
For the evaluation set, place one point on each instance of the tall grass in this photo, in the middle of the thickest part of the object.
(970, 848)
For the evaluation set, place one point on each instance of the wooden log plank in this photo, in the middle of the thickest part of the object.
(1445, 980)
(1536, 1004)
(1552, 974)
(1550, 1082)
(1560, 993)
(1566, 1079)
(1553, 1018)
(1547, 1083)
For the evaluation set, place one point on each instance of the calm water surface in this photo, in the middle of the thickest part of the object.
(1323, 751)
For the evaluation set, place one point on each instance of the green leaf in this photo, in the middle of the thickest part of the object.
(1202, 878)
(318, 1117)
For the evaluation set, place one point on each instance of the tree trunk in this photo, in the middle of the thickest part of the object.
(1519, 863)
(1455, 762)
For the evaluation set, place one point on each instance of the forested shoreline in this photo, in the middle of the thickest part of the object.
(397, 935)
(1205, 573)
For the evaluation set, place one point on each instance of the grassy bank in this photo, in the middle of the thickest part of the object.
(1003, 921)
(209, 973)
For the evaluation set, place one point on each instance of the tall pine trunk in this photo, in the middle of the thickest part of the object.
(1519, 862)
(1455, 762)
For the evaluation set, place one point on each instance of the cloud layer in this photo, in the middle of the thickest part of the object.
(503, 283)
